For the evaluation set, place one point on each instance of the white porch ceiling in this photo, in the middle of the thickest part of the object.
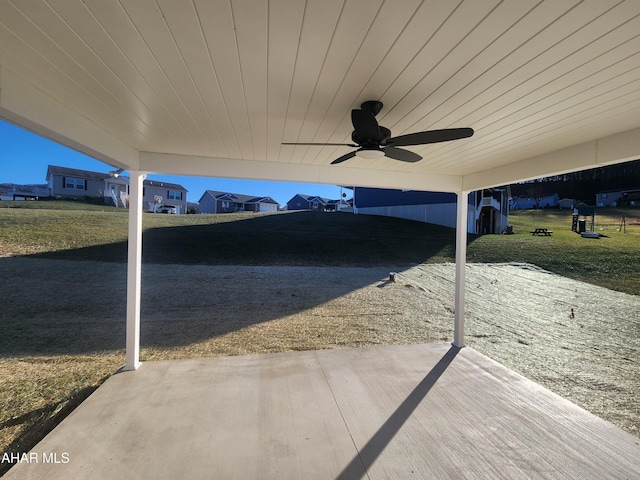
(212, 87)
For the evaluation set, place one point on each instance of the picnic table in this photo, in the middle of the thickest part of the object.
(542, 231)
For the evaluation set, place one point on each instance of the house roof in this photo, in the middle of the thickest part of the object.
(74, 172)
(192, 88)
(170, 186)
(311, 198)
(238, 197)
(618, 190)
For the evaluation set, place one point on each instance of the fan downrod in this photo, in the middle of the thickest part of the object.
(372, 106)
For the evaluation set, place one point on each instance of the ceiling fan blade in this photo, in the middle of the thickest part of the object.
(430, 136)
(321, 144)
(366, 127)
(343, 158)
(401, 154)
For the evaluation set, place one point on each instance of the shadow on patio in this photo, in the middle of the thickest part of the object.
(340, 414)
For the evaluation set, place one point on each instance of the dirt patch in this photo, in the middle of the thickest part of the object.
(516, 314)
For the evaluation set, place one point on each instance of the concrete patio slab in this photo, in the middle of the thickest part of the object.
(417, 411)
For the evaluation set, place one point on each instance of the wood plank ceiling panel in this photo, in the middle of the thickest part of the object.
(183, 21)
(568, 99)
(550, 60)
(56, 69)
(419, 29)
(217, 23)
(455, 97)
(144, 76)
(418, 80)
(153, 28)
(582, 99)
(382, 34)
(459, 41)
(319, 23)
(445, 107)
(451, 85)
(527, 81)
(251, 23)
(285, 27)
(552, 78)
(410, 91)
(350, 31)
(115, 73)
(556, 128)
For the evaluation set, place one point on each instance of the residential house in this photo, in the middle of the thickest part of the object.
(631, 198)
(339, 205)
(569, 203)
(618, 198)
(66, 182)
(225, 202)
(487, 210)
(73, 183)
(157, 192)
(526, 203)
(310, 202)
(608, 198)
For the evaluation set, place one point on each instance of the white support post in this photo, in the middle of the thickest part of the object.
(461, 260)
(134, 271)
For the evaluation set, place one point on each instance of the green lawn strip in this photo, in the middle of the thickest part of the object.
(609, 261)
(300, 238)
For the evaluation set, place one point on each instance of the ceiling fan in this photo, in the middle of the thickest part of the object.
(375, 141)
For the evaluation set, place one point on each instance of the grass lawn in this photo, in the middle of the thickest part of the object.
(36, 390)
(303, 238)
(610, 261)
(293, 238)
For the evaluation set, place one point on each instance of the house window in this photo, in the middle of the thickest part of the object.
(174, 195)
(77, 183)
(225, 204)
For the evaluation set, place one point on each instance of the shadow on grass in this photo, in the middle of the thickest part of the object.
(74, 301)
(297, 238)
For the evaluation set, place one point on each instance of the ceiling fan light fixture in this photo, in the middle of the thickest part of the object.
(370, 153)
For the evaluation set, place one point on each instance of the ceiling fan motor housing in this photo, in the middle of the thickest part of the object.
(384, 135)
(372, 106)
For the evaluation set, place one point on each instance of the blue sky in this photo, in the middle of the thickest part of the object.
(24, 158)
